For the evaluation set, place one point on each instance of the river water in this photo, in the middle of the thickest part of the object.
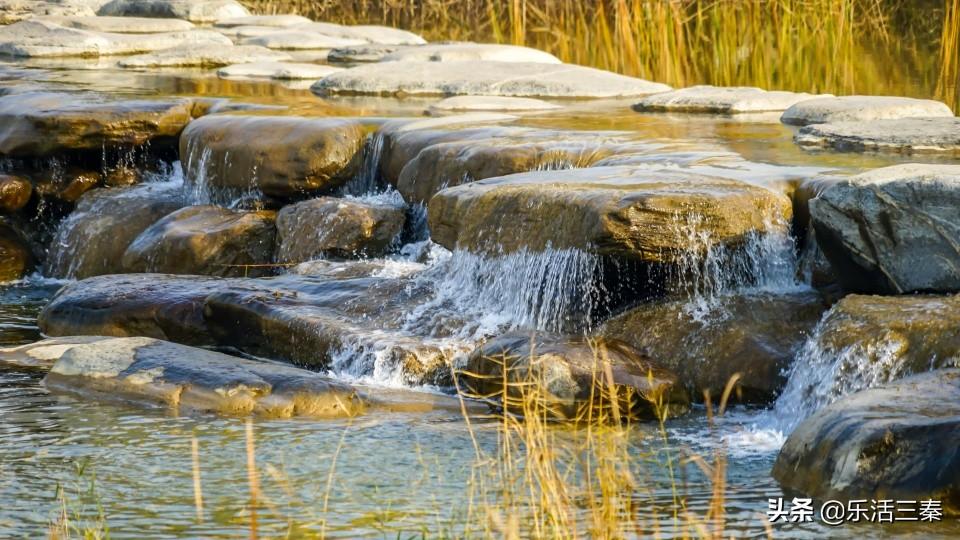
(396, 475)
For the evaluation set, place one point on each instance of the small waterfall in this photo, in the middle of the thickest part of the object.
(200, 186)
(367, 180)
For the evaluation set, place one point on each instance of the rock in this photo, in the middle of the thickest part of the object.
(368, 52)
(206, 240)
(288, 157)
(199, 11)
(287, 40)
(14, 193)
(277, 70)
(755, 335)
(570, 371)
(12, 11)
(93, 239)
(720, 99)
(16, 258)
(272, 21)
(337, 227)
(374, 34)
(42, 38)
(893, 230)
(907, 136)
(186, 378)
(240, 32)
(153, 305)
(204, 56)
(122, 25)
(893, 442)
(455, 52)
(40, 124)
(42, 354)
(831, 110)
(484, 78)
(627, 212)
(67, 186)
(491, 103)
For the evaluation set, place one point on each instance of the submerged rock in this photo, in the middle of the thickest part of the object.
(206, 240)
(491, 103)
(39, 124)
(69, 185)
(754, 335)
(151, 305)
(186, 378)
(720, 99)
(634, 213)
(16, 257)
(453, 52)
(829, 110)
(484, 78)
(568, 375)
(279, 156)
(907, 135)
(93, 239)
(897, 441)
(200, 11)
(336, 227)
(14, 193)
(277, 70)
(204, 55)
(893, 230)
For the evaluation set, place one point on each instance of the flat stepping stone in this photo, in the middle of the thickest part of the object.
(122, 25)
(720, 99)
(520, 79)
(905, 135)
(862, 108)
(370, 52)
(203, 56)
(37, 38)
(277, 71)
(491, 103)
(471, 51)
(198, 11)
(274, 21)
(374, 34)
(289, 40)
(43, 354)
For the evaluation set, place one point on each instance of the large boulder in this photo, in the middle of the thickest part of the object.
(897, 442)
(829, 109)
(93, 239)
(200, 11)
(453, 52)
(151, 305)
(720, 99)
(905, 136)
(206, 240)
(893, 230)
(15, 193)
(635, 213)
(568, 375)
(335, 227)
(866, 341)
(754, 335)
(40, 124)
(481, 77)
(186, 378)
(44, 38)
(281, 157)
(204, 56)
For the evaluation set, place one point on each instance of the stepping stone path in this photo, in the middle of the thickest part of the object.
(829, 110)
(905, 136)
(471, 51)
(720, 99)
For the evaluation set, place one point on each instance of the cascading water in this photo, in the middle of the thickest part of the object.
(367, 180)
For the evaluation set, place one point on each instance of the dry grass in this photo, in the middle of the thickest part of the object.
(837, 46)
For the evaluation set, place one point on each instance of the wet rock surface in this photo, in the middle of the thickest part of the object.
(42, 354)
(206, 240)
(628, 212)
(521, 79)
(906, 136)
(14, 193)
(278, 156)
(829, 110)
(336, 227)
(893, 230)
(891, 442)
(16, 257)
(491, 103)
(720, 99)
(754, 335)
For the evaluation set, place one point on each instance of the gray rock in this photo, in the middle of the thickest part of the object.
(43, 354)
(906, 136)
(292, 39)
(893, 230)
(374, 34)
(122, 25)
(330, 226)
(273, 21)
(830, 110)
(897, 441)
(200, 11)
(458, 52)
(369, 52)
(277, 70)
(720, 99)
(205, 55)
(491, 103)
(484, 78)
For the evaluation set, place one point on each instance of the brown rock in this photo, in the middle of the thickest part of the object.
(16, 258)
(14, 193)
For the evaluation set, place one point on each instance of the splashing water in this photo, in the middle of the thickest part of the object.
(201, 188)
(367, 180)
